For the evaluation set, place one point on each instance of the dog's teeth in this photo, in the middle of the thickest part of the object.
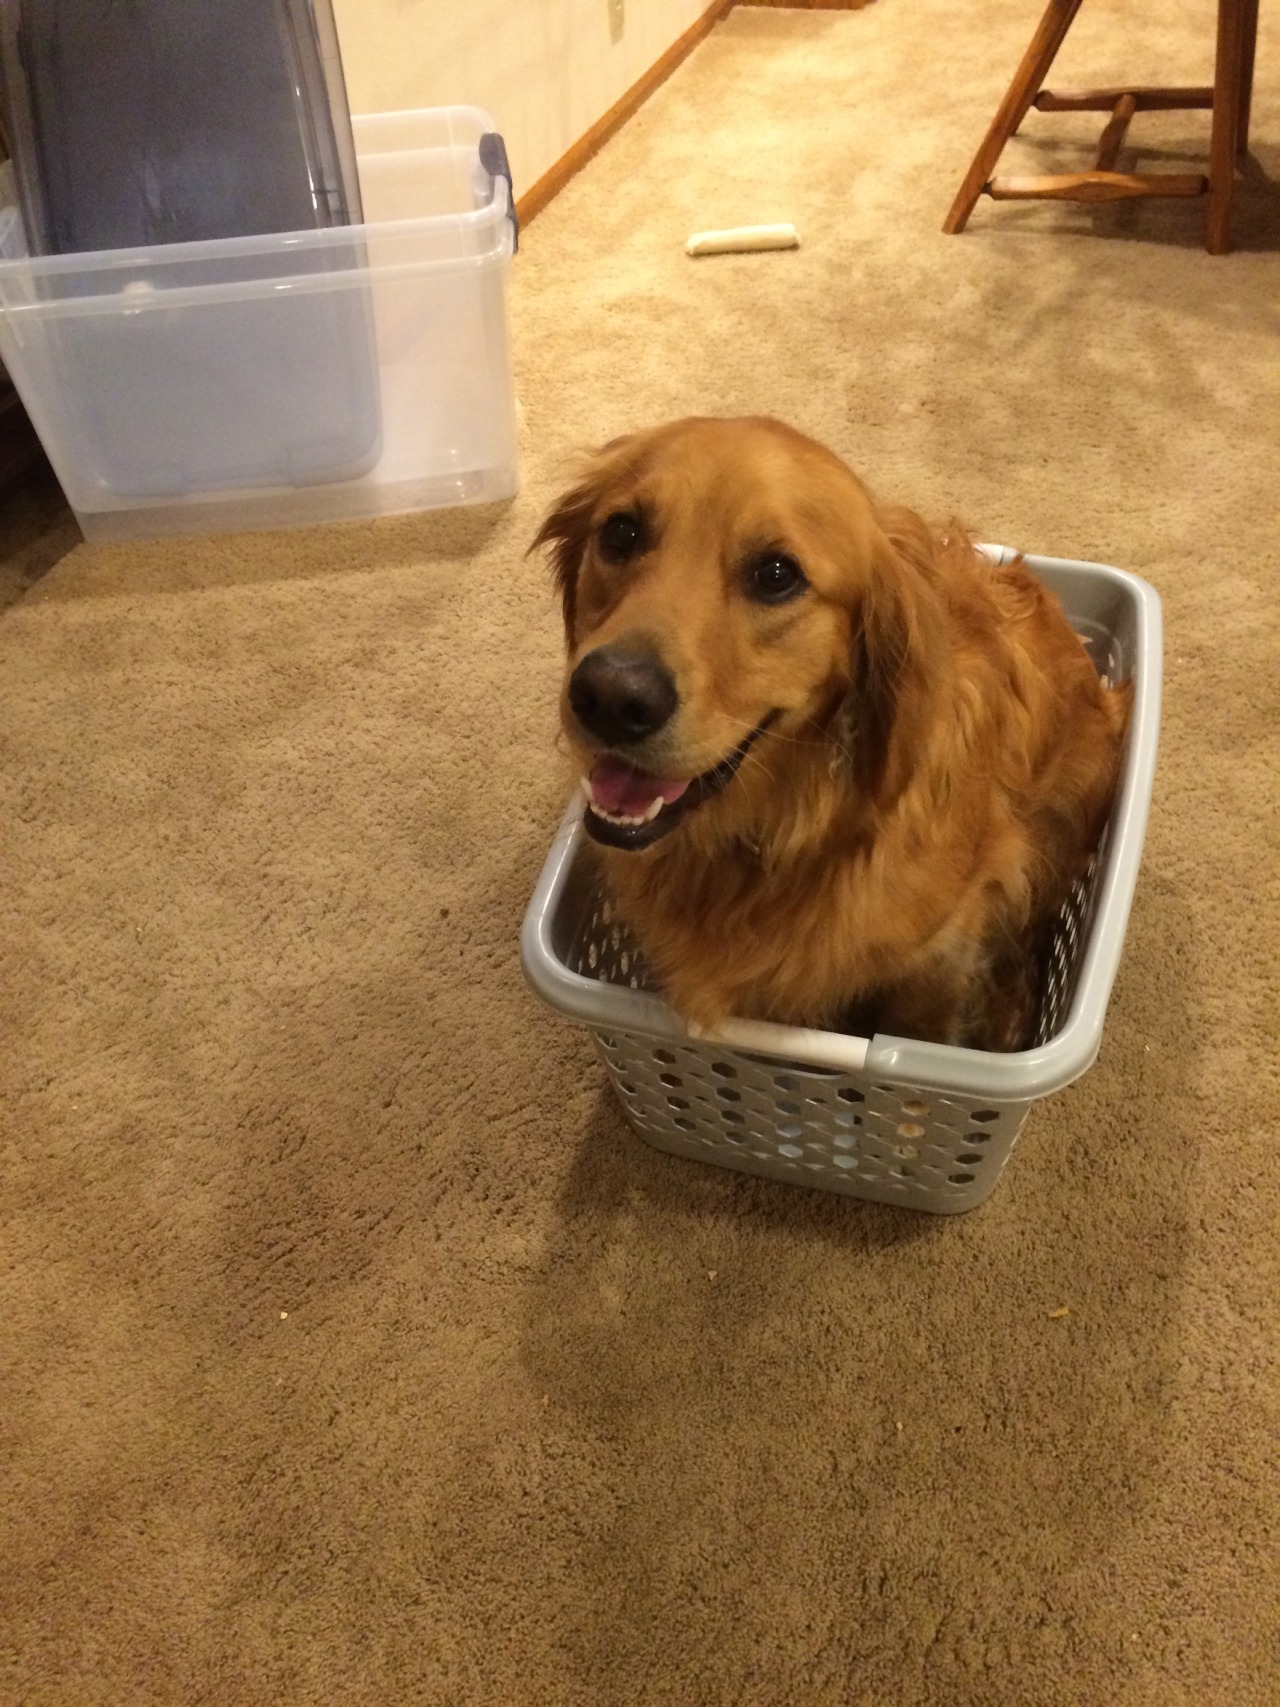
(626, 819)
(623, 818)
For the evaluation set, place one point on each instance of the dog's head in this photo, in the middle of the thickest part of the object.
(729, 588)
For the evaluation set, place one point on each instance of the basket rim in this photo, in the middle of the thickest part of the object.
(1021, 1076)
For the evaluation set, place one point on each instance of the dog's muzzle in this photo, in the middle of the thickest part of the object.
(630, 808)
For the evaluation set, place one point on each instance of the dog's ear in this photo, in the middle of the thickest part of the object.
(567, 528)
(896, 629)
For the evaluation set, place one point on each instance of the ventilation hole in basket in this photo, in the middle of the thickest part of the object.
(908, 1152)
(734, 1137)
(788, 1108)
(609, 1042)
(723, 1070)
(784, 1083)
(904, 1173)
(851, 1096)
(615, 936)
(733, 1117)
(593, 956)
(625, 963)
(790, 1130)
(847, 1120)
(634, 982)
(683, 1124)
(726, 1093)
(624, 1085)
(984, 1116)
(916, 1107)
(663, 1055)
(677, 1102)
(845, 1161)
(792, 1151)
(969, 1158)
(960, 1179)
(605, 914)
(909, 1129)
(672, 1079)
(978, 1137)
(843, 1140)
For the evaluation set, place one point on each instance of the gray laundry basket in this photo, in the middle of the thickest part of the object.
(923, 1125)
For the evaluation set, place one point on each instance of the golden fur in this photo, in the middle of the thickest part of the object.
(939, 756)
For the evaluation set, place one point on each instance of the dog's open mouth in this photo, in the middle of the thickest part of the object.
(632, 809)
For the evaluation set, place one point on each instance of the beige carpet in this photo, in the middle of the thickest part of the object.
(354, 1351)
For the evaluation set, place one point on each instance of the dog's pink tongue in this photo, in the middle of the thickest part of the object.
(620, 788)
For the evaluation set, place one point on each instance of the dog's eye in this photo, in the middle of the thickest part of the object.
(774, 577)
(619, 536)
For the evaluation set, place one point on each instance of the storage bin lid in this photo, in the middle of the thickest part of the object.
(155, 123)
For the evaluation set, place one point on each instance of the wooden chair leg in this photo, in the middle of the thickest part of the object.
(1026, 85)
(1246, 76)
(1228, 93)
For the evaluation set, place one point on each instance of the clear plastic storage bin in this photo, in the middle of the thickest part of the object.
(301, 377)
(886, 1118)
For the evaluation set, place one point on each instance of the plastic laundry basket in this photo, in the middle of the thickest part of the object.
(890, 1119)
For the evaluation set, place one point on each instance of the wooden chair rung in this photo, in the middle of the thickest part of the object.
(1112, 138)
(1096, 186)
(1146, 100)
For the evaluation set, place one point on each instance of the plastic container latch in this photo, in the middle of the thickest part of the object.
(493, 157)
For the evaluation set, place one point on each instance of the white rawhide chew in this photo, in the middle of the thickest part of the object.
(741, 238)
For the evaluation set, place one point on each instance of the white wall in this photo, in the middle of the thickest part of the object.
(545, 69)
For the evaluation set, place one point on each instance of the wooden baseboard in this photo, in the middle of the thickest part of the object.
(569, 165)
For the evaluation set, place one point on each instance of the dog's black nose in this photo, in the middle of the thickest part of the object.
(621, 697)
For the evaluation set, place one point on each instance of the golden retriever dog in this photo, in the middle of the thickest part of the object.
(843, 770)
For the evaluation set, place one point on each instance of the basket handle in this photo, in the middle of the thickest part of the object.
(794, 1042)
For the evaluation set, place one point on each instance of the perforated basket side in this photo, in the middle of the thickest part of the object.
(838, 1132)
(1060, 969)
(604, 947)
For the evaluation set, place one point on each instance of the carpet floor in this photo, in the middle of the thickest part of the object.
(354, 1349)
